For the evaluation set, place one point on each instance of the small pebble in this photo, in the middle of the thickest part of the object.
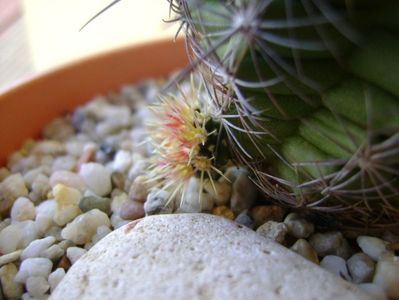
(336, 265)
(10, 239)
(65, 163)
(40, 188)
(373, 290)
(117, 202)
(223, 211)
(97, 178)
(101, 232)
(195, 200)
(361, 267)
(43, 223)
(22, 209)
(46, 208)
(4, 173)
(303, 248)
(37, 247)
(10, 288)
(10, 257)
(81, 230)
(54, 253)
(158, 202)
(36, 266)
(118, 180)
(138, 168)
(48, 147)
(74, 253)
(139, 190)
(64, 263)
(273, 230)
(30, 231)
(68, 179)
(91, 202)
(220, 191)
(60, 129)
(263, 213)
(387, 275)
(243, 194)
(244, 219)
(330, 243)
(298, 227)
(122, 161)
(132, 210)
(55, 277)
(117, 221)
(372, 246)
(88, 155)
(10, 189)
(37, 286)
(67, 204)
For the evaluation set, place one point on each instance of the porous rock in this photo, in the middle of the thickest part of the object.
(196, 256)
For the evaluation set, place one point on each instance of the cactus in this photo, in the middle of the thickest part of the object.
(308, 96)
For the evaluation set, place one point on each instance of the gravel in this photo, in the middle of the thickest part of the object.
(90, 174)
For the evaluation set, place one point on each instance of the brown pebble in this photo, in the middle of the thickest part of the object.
(64, 263)
(393, 246)
(223, 211)
(132, 210)
(139, 189)
(263, 213)
(88, 155)
(118, 180)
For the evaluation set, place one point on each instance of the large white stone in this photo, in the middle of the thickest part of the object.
(196, 256)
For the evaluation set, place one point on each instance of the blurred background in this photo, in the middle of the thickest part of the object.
(38, 35)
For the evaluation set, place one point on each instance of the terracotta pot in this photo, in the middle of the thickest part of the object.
(27, 107)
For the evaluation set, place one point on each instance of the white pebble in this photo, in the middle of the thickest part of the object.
(372, 246)
(195, 200)
(69, 179)
(37, 286)
(97, 178)
(22, 209)
(53, 253)
(298, 227)
(13, 187)
(66, 163)
(117, 221)
(55, 277)
(336, 265)
(387, 275)
(10, 239)
(138, 168)
(83, 227)
(43, 223)
(118, 202)
(361, 267)
(30, 232)
(10, 257)
(74, 253)
(122, 161)
(374, 290)
(36, 248)
(47, 208)
(101, 232)
(158, 202)
(36, 266)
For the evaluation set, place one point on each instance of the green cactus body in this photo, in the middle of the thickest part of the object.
(314, 86)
